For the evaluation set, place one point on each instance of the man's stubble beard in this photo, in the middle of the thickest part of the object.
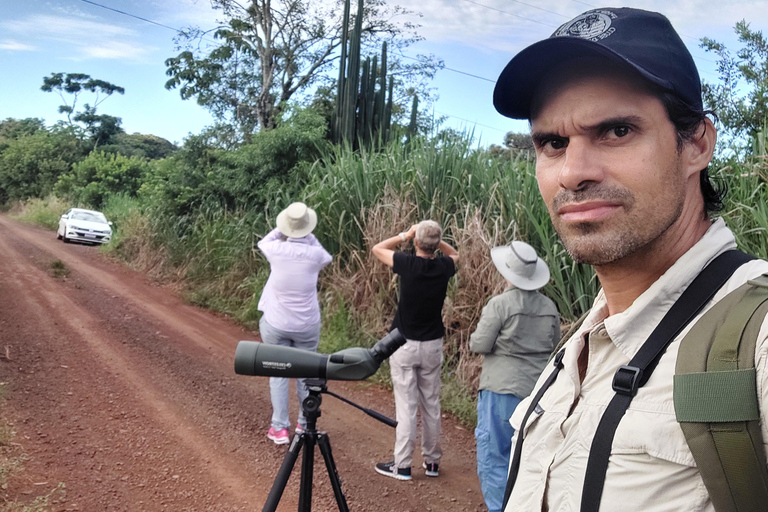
(601, 243)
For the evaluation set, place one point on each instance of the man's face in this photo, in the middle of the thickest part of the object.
(607, 165)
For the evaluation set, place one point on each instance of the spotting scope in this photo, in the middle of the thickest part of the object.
(357, 363)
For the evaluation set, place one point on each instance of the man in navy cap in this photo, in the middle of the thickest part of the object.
(622, 145)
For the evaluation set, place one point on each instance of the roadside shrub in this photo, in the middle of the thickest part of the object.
(43, 212)
(30, 165)
(101, 175)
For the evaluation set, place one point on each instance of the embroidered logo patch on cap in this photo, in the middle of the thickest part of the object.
(593, 25)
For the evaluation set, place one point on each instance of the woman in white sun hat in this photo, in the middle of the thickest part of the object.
(517, 331)
(289, 302)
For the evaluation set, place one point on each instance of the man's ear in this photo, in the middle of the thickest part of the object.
(697, 152)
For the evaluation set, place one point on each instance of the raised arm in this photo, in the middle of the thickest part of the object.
(385, 250)
(449, 251)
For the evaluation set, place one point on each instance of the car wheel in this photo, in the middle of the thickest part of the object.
(65, 239)
(58, 236)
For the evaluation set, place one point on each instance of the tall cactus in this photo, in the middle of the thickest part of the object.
(364, 100)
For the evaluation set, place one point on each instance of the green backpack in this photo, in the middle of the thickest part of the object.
(716, 400)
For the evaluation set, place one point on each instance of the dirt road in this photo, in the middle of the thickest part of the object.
(128, 396)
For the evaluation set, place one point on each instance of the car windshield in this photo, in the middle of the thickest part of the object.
(89, 216)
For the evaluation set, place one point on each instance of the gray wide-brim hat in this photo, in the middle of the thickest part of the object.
(520, 265)
(297, 220)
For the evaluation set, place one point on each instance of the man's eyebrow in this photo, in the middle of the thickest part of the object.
(600, 126)
(612, 122)
(538, 137)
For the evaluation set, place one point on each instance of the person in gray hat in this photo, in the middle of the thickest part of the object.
(517, 332)
(623, 144)
(289, 302)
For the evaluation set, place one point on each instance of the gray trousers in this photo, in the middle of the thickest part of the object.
(416, 382)
(279, 386)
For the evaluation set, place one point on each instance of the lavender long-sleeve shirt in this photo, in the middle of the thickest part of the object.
(289, 299)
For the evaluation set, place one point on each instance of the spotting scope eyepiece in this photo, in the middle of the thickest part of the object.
(357, 363)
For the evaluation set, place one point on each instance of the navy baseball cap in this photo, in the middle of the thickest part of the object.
(643, 40)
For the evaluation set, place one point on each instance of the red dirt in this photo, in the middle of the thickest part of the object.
(125, 394)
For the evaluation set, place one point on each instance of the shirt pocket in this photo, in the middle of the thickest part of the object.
(651, 461)
(650, 429)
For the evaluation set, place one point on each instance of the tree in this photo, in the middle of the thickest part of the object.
(516, 145)
(101, 175)
(741, 98)
(150, 147)
(31, 164)
(12, 129)
(266, 52)
(100, 128)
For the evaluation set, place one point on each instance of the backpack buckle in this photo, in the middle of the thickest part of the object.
(626, 380)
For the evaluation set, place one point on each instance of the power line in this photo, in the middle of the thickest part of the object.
(512, 14)
(472, 122)
(130, 15)
(446, 68)
(541, 9)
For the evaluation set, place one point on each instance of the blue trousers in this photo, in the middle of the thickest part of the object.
(279, 386)
(494, 443)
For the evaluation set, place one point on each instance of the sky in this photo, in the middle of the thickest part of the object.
(475, 39)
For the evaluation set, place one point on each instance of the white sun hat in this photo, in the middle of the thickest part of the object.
(297, 220)
(520, 265)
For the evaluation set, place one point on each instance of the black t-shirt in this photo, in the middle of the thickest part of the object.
(423, 285)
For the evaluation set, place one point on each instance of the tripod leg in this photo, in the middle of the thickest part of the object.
(325, 449)
(283, 474)
(307, 470)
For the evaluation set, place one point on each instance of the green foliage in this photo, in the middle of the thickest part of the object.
(101, 175)
(139, 145)
(270, 51)
(741, 98)
(58, 269)
(457, 397)
(12, 129)
(99, 128)
(746, 205)
(44, 212)
(272, 168)
(30, 165)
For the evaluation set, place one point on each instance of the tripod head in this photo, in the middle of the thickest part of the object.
(311, 404)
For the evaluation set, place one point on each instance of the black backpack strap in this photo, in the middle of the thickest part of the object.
(629, 378)
(514, 467)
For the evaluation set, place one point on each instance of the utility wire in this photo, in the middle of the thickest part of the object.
(542, 9)
(472, 122)
(512, 14)
(130, 15)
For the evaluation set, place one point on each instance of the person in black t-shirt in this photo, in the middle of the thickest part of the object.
(416, 365)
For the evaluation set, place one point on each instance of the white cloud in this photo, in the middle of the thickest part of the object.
(512, 24)
(84, 38)
(15, 46)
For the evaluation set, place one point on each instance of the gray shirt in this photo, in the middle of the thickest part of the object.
(517, 332)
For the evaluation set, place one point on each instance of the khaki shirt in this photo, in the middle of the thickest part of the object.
(517, 332)
(651, 468)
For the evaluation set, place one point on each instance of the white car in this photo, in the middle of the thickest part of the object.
(84, 226)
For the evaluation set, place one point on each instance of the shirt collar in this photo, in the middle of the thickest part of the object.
(631, 328)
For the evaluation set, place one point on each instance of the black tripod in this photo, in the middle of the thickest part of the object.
(307, 440)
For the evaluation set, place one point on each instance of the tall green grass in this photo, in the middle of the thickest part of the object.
(44, 212)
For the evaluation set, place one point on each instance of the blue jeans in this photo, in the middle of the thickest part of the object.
(279, 386)
(494, 443)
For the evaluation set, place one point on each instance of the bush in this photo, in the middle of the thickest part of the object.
(100, 176)
(43, 212)
(30, 165)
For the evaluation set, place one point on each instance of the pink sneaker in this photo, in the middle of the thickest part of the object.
(299, 429)
(279, 436)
